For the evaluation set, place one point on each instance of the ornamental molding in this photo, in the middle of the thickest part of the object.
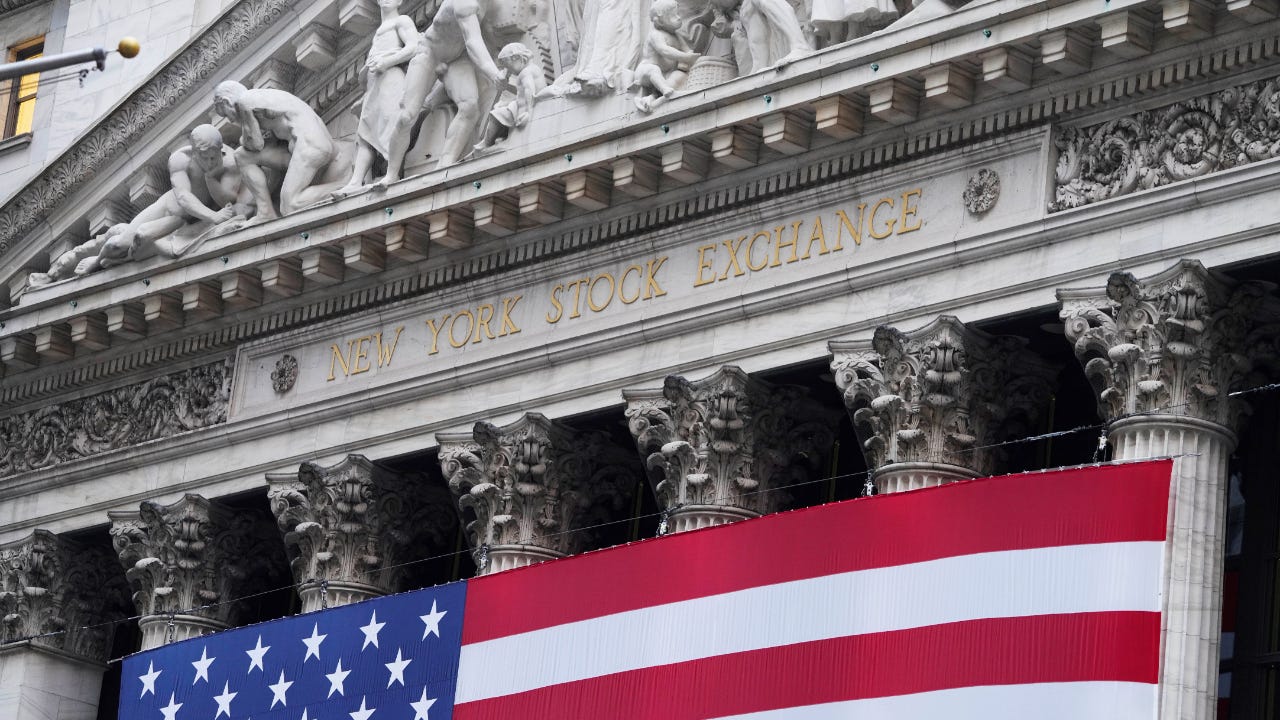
(981, 191)
(8, 6)
(193, 557)
(358, 522)
(728, 440)
(285, 374)
(58, 594)
(134, 117)
(940, 394)
(1206, 134)
(1176, 343)
(535, 482)
(161, 407)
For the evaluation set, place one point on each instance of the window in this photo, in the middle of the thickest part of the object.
(19, 98)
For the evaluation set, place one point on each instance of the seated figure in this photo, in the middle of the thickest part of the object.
(665, 59)
(513, 108)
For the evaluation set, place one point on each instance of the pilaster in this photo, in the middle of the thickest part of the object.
(528, 489)
(928, 405)
(348, 527)
(187, 562)
(1164, 354)
(723, 448)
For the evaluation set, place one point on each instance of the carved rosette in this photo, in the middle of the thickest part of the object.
(531, 486)
(186, 563)
(56, 593)
(1173, 344)
(347, 528)
(981, 191)
(723, 448)
(926, 404)
(285, 374)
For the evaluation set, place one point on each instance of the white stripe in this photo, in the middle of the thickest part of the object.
(1016, 583)
(1046, 701)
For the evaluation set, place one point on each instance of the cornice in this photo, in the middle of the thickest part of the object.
(8, 6)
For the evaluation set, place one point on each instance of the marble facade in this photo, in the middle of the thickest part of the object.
(454, 301)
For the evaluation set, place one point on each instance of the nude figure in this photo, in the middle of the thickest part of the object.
(394, 43)
(451, 51)
(515, 107)
(280, 132)
(666, 58)
(206, 189)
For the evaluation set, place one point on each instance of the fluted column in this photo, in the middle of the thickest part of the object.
(1163, 355)
(720, 449)
(528, 488)
(928, 404)
(55, 596)
(348, 527)
(187, 562)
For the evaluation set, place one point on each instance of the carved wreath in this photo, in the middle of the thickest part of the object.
(982, 191)
(285, 374)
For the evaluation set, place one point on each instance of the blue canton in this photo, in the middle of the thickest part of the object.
(393, 657)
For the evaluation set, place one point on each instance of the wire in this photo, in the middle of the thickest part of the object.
(665, 515)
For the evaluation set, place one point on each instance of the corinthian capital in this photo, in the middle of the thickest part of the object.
(939, 394)
(348, 527)
(1175, 343)
(722, 448)
(53, 591)
(191, 558)
(531, 485)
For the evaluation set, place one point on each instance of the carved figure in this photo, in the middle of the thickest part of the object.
(394, 43)
(612, 34)
(208, 198)
(280, 133)
(513, 107)
(773, 33)
(451, 52)
(667, 57)
(835, 21)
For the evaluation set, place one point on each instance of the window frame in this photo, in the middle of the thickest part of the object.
(13, 97)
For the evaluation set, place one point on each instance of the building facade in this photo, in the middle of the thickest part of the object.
(350, 297)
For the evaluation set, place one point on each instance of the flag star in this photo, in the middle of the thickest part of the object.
(224, 700)
(397, 669)
(313, 643)
(149, 679)
(362, 713)
(432, 621)
(256, 655)
(336, 678)
(202, 666)
(421, 707)
(304, 713)
(371, 631)
(171, 712)
(278, 690)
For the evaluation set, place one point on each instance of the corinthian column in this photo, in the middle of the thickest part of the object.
(55, 595)
(1163, 355)
(187, 562)
(722, 448)
(528, 488)
(348, 527)
(927, 405)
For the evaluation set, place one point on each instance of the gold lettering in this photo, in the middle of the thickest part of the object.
(909, 210)
(509, 326)
(591, 292)
(892, 221)
(793, 243)
(846, 224)
(652, 289)
(577, 292)
(337, 357)
(751, 249)
(385, 352)
(361, 353)
(703, 264)
(733, 246)
(471, 321)
(555, 301)
(482, 321)
(435, 333)
(622, 282)
(817, 235)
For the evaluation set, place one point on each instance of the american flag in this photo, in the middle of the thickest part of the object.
(1020, 596)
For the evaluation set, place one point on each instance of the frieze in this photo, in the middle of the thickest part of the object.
(1230, 128)
(161, 407)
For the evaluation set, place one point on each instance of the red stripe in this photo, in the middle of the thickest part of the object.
(1116, 503)
(1119, 646)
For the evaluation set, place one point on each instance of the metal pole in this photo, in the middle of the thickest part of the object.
(50, 62)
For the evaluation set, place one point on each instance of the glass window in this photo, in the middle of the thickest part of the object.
(20, 108)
